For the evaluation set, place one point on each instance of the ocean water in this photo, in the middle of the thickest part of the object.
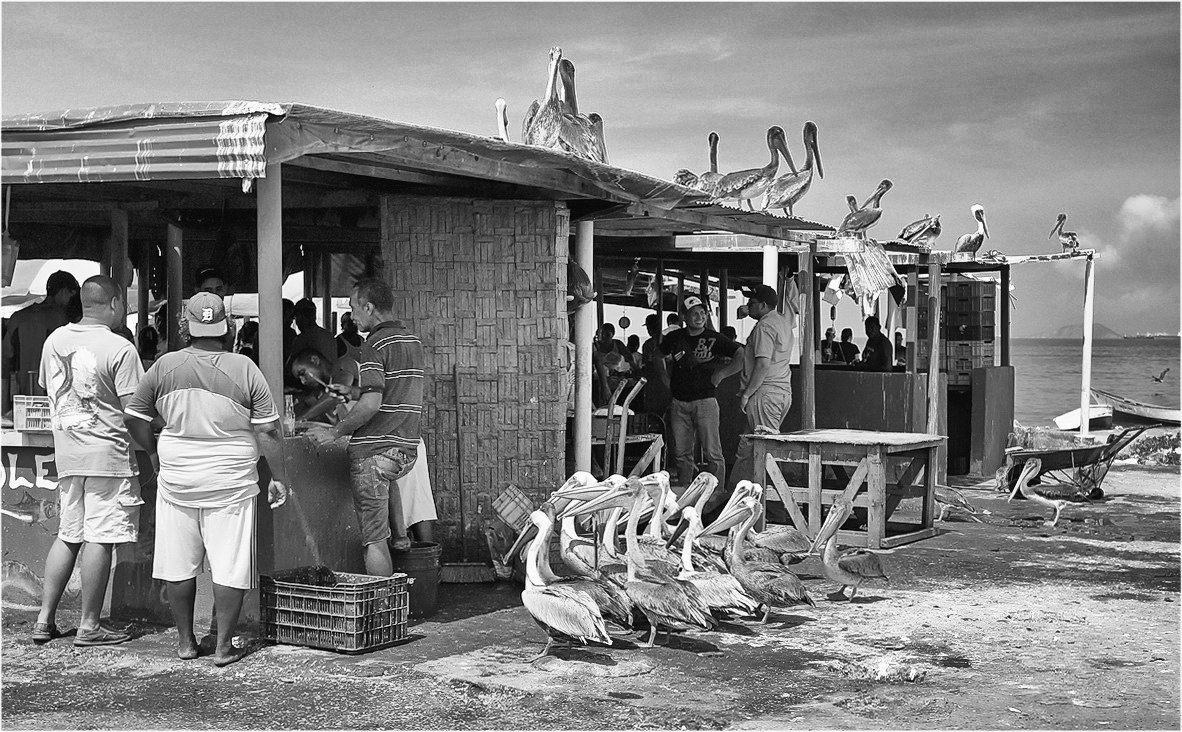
(1047, 373)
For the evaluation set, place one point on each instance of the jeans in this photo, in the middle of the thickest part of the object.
(699, 419)
(376, 496)
(767, 409)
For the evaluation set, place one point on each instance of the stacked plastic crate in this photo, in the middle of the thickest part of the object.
(968, 310)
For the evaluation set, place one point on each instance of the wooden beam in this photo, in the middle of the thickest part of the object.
(1089, 309)
(174, 258)
(785, 492)
(270, 280)
(584, 327)
(808, 381)
(934, 341)
(117, 250)
(1003, 310)
(710, 222)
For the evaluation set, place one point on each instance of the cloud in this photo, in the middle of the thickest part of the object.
(1148, 226)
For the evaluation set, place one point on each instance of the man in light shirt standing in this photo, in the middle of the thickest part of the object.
(218, 413)
(90, 374)
(765, 391)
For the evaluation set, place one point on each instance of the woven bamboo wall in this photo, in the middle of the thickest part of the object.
(483, 284)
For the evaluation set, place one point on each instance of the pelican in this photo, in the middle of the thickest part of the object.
(743, 185)
(866, 215)
(1068, 239)
(849, 568)
(612, 602)
(542, 122)
(950, 498)
(502, 120)
(972, 242)
(664, 600)
(788, 189)
(560, 609)
(721, 592)
(577, 132)
(597, 133)
(769, 584)
(1053, 496)
(923, 232)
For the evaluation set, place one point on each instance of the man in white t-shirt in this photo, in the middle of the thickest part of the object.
(218, 413)
(89, 374)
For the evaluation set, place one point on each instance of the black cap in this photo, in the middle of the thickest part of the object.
(765, 294)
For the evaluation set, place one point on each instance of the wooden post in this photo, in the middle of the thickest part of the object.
(704, 290)
(808, 376)
(1089, 314)
(934, 340)
(659, 282)
(912, 321)
(326, 281)
(771, 266)
(270, 279)
(143, 297)
(584, 332)
(174, 257)
(724, 298)
(1003, 310)
(118, 249)
(598, 296)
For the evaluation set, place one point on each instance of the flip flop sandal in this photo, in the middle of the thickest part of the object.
(45, 632)
(100, 637)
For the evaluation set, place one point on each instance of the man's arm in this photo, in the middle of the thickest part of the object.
(762, 366)
(366, 407)
(271, 445)
(734, 367)
(141, 433)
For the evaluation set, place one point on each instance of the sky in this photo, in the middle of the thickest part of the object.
(1029, 109)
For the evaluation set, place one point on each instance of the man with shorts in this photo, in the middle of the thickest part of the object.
(90, 374)
(218, 413)
(384, 426)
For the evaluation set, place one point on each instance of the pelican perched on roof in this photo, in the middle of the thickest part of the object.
(849, 568)
(578, 134)
(863, 217)
(543, 119)
(785, 191)
(744, 185)
(922, 232)
(970, 243)
(502, 119)
(1068, 239)
(562, 610)
(1055, 496)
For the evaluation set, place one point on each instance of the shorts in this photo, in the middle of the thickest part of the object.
(186, 537)
(99, 510)
(371, 477)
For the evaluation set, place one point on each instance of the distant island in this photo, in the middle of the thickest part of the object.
(1075, 332)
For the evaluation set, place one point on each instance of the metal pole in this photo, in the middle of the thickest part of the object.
(270, 279)
(174, 258)
(771, 265)
(584, 332)
(1089, 313)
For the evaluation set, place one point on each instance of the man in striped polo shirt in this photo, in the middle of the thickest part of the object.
(383, 427)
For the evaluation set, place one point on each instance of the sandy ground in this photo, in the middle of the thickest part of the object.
(1004, 624)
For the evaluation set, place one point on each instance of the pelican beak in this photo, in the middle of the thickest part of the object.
(782, 146)
(528, 533)
(817, 159)
(611, 498)
(677, 532)
(583, 492)
(729, 517)
(1058, 225)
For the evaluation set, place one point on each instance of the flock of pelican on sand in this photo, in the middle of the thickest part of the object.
(675, 577)
(555, 122)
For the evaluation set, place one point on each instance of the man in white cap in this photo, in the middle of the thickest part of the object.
(218, 413)
(695, 355)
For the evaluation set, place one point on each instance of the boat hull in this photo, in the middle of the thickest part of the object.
(1129, 411)
(1099, 418)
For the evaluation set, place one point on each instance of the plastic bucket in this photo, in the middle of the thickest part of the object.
(420, 562)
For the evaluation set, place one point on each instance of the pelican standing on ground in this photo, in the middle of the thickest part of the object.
(785, 191)
(771, 585)
(1055, 496)
(743, 185)
(950, 498)
(559, 609)
(849, 568)
(970, 243)
(863, 217)
(1068, 239)
(721, 592)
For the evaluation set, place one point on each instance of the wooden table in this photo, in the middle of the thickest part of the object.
(872, 455)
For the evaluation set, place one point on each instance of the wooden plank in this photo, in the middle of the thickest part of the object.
(651, 455)
(851, 488)
(876, 487)
(808, 405)
(759, 475)
(1003, 315)
(929, 483)
(907, 478)
(847, 437)
(786, 496)
(891, 542)
(934, 346)
(814, 494)
(709, 222)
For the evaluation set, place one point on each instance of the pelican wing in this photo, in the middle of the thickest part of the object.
(566, 610)
(860, 220)
(782, 539)
(789, 188)
(861, 563)
(527, 122)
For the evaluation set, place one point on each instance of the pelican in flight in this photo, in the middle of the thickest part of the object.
(502, 120)
(788, 189)
(861, 218)
(1160, 378)
(543, 120)
(1068, 239)
(1055, 496)
(922, 232)
(744, 185)
(852, 567)
(970, 243)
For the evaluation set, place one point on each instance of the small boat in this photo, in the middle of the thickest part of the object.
(1126, 410)
(1099, 418)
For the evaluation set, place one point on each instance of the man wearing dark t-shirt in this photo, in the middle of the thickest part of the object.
(694, 355)
(877, 355)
